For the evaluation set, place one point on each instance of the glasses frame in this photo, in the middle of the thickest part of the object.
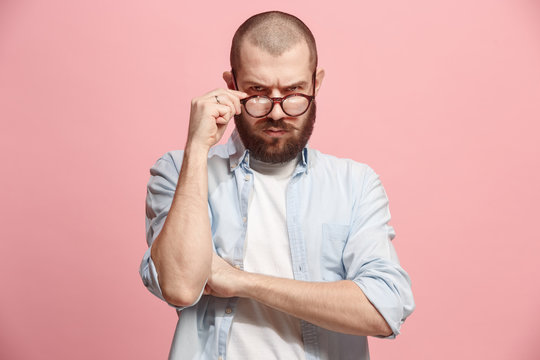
(277, 100)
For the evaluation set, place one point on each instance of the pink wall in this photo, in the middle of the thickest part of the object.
(442, 98)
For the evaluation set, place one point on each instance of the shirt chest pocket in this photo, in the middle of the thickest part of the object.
(334, 238)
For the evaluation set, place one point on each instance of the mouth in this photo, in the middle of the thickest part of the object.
(275, 132)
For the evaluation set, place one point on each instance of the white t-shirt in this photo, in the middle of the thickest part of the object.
(258, 331)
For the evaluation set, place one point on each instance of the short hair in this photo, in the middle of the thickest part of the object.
(274, 32)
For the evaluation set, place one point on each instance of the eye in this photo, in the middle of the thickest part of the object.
(292, 88)
(257, 88)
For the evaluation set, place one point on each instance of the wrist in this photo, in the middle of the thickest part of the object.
(247, 282)
(194, 148)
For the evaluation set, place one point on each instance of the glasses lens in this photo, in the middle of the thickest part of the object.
(295, 105)
(258, 106)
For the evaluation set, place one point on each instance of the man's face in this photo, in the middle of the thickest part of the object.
(276, 137)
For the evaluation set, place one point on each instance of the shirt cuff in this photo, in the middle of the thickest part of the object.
(393, 300)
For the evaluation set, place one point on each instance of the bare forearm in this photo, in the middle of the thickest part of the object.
(182, 252)
(339, 306)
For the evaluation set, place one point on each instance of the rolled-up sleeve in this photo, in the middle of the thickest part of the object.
(370, 259)
(160, 193)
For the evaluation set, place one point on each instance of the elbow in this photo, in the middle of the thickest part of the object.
(375, 327)
(181, 297)
(181, 292)
(380, 327)
(383, 329)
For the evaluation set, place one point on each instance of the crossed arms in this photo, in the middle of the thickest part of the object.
(339, 306)
(186, 266)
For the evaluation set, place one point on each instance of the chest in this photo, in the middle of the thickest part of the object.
(305, 218)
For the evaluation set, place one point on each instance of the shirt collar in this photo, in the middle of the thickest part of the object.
(238, 154)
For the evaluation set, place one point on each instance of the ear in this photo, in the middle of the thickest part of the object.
(319, 76)
(228, 77)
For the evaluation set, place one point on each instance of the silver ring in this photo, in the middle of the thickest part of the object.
(217, 99)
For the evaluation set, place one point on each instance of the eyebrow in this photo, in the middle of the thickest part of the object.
(301, 83)
(298, 84)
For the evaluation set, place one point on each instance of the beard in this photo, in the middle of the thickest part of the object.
(275, 150)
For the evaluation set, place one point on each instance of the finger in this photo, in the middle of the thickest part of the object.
(226, 99)
(237, 93)
(241, 94)
(222, 114)
(236, 96)
(222, 121)
(233, 95)
(232, 99)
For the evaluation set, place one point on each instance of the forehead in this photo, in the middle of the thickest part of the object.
(260, 66)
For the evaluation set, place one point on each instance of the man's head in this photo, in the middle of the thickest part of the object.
(274, 54)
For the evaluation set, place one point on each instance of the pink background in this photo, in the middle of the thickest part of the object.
(441, 98)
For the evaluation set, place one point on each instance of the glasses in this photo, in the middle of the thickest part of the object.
(259, 106)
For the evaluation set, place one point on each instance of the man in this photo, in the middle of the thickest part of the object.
(267, 248)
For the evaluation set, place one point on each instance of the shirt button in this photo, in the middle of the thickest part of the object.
(246, 178)
(237, 266)
(244, 219)
(228, 310)
(220, 357)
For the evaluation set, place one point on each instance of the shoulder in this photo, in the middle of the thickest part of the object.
(344, 168)
(169, 164)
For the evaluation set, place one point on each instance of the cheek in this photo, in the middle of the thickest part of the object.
(300, 122)
(245, 122)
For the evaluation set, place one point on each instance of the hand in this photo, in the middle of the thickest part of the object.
(224, 280)
(209, 117)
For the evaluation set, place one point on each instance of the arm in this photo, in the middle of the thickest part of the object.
(182, 252)
(339, 306)
(374, 299)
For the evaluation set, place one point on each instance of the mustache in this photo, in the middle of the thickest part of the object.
(275, 124)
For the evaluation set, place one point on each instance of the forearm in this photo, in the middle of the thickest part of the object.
(182, 253)
(339, 306)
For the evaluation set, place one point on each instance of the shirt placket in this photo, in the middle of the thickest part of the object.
(244, 181)
(299, 259)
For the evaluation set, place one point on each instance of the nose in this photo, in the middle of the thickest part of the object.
(277, 112)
